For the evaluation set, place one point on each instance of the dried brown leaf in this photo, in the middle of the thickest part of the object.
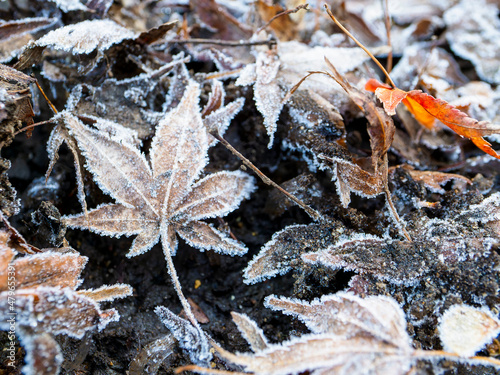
(15, 102)
(40, 291)
(380, 128)
(347, 316)
(434, 180)
(51, 269)
(14, 35)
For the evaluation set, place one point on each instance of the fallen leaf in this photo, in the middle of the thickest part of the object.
(473, 31)
(160, 200)
(434, 180)
(47, 302)
(352, 335)
(465, 329)
(15, 102)
(427, 109)
(279, 255)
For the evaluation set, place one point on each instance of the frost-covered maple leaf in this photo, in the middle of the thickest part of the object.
(159, 200)
(351, 335)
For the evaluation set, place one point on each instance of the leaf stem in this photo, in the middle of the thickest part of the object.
(177, 286)
(360, 45)
(388, 33)
(46, 98)
(315, 215)
(32, 126)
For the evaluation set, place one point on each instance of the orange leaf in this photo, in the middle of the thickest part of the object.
(426, 109)
(419, 112)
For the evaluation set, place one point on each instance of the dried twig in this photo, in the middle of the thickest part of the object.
(315, 215)
(388, 33)
(360, 45)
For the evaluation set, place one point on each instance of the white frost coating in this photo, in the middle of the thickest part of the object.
(298, 57)
(263, 265)
(190, 338)
(70, 5)
(473, 31)
(223, 243)
(486, 211)
(117, 132)
(464, 329)
(345, 315)
(250, 331)
(86, 36)
(267, 92)
(248, 76)
(41, 350)
(227, 192)
(221, 118)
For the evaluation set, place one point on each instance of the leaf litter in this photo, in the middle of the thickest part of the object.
(408, 261)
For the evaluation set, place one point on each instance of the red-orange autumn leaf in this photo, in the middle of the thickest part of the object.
(426, 109)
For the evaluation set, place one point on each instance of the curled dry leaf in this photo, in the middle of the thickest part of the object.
(427, 109)
(163, 199)
(14, 35)
(87, 37)
(434, 180)
(465, 329)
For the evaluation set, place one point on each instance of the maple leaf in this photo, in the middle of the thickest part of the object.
(350, 335)
(160, 200)
(426, 109)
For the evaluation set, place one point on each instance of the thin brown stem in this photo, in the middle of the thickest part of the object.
(32, 126)
(227, 43)
(46, 98)
(391, 82)
(387, 17)
(284, 13)
(315, 215)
